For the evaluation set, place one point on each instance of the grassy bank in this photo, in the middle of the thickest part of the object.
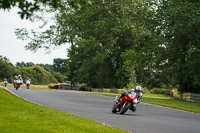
(18, 115)
(168, 101)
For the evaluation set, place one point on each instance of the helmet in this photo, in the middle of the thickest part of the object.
(138, 89)
(19, 75)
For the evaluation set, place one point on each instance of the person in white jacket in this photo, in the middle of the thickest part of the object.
(5, 82)
(28, 82)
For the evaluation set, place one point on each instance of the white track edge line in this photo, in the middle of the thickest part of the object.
(21, 97)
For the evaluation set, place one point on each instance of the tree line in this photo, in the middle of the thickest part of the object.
(114, 43)
(38, 73)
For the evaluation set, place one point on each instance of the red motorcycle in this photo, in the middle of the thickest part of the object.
(17, 84)
(129, 101)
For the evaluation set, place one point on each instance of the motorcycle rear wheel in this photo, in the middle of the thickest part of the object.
(114, 109)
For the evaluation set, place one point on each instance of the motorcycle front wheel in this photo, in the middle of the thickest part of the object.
(125, 107)
(27, 86)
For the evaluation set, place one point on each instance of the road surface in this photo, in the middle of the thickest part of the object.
(147, 118)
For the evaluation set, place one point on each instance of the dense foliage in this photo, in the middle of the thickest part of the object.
(180, 37)
(28, 7)
(116, 43)
(39, 74)
(7, 70)
(60, 65)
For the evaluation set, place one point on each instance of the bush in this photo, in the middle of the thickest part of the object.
(145, 90)
(88, 89)
(37, 74)
(50, 86)
(60, 78)
(161, 91)
(131, 85)
(175, 93)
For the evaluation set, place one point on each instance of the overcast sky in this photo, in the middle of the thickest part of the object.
(14, 49)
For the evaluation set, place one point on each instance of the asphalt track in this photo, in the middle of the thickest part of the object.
(147, 118)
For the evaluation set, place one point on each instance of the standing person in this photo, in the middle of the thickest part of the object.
(28, 82)
(5, 82)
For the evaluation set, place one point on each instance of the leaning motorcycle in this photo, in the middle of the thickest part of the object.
(129, 101)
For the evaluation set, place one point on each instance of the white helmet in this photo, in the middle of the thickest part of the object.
(138, 89)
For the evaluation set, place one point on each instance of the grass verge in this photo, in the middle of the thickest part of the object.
(44, 87)
(18, 115)
(170, 102)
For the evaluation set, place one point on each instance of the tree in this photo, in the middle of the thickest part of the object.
(179, 32)
(28, 7)
(60, 65)
(96, 55)
(47, 67)
(7, 70)
(23, 64)
(100, 35)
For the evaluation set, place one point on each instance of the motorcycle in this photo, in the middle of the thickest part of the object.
(28, 82)
(5, 83)
(17, 84)
(27, 85)
(129, 101)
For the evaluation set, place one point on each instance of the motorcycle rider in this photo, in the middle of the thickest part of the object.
(20, 78)
(15, 80)
(28, 82)
(5, 82)
(137, 90)
(138, 95)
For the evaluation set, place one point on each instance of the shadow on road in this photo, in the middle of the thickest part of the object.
(127, 114)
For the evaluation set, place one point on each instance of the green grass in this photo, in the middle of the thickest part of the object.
(163, 100)
(168, 101)
(20, 116)
(44, 87)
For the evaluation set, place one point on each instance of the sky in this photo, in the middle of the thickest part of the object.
(13, 48)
